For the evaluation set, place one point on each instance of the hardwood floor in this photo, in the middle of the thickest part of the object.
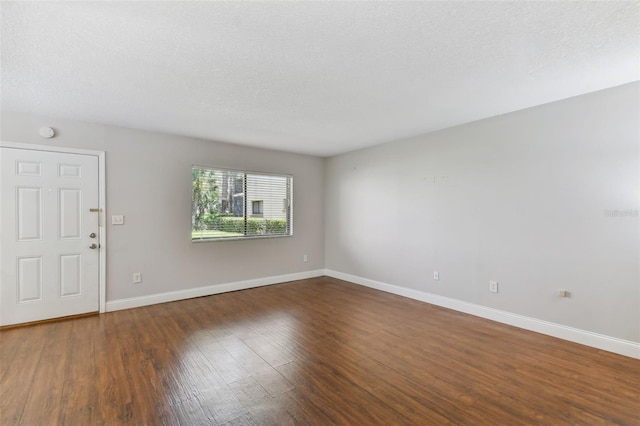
(316, 352)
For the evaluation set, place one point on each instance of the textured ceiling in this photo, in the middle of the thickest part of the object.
(310, 77)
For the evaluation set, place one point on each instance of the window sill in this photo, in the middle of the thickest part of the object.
(252, 237)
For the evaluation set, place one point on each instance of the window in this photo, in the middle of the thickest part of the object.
(232, 204)
(256, 208)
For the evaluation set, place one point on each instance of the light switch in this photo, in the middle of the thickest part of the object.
(117, 220)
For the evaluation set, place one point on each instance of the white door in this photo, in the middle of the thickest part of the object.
(49, 240)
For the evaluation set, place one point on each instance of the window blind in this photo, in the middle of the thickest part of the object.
(233, 204)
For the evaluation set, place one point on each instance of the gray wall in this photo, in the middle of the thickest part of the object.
(520, 198)
(149, 181)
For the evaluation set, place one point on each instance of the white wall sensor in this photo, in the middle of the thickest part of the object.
(47, 132)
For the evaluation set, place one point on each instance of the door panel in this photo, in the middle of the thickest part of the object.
(69, 213)
(70, 267)
(48, 267)
(29, 279)
(29, 213)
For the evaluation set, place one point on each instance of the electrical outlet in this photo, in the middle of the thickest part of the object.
(436, 275)
(117, 219)
(493, 286)
(137, 277)
(305, 258)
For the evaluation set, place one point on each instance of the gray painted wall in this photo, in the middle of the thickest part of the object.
(149, 181)
(520, 198)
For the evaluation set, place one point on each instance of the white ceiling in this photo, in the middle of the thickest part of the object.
(311, 77)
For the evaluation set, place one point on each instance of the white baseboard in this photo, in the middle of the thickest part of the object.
(599, 341)
(172, 296)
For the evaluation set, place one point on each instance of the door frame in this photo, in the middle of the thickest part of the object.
(102, 220)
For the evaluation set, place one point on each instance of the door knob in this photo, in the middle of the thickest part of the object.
(93, 246)
(92, 235)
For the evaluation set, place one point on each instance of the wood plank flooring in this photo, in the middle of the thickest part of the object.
(312, 352)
